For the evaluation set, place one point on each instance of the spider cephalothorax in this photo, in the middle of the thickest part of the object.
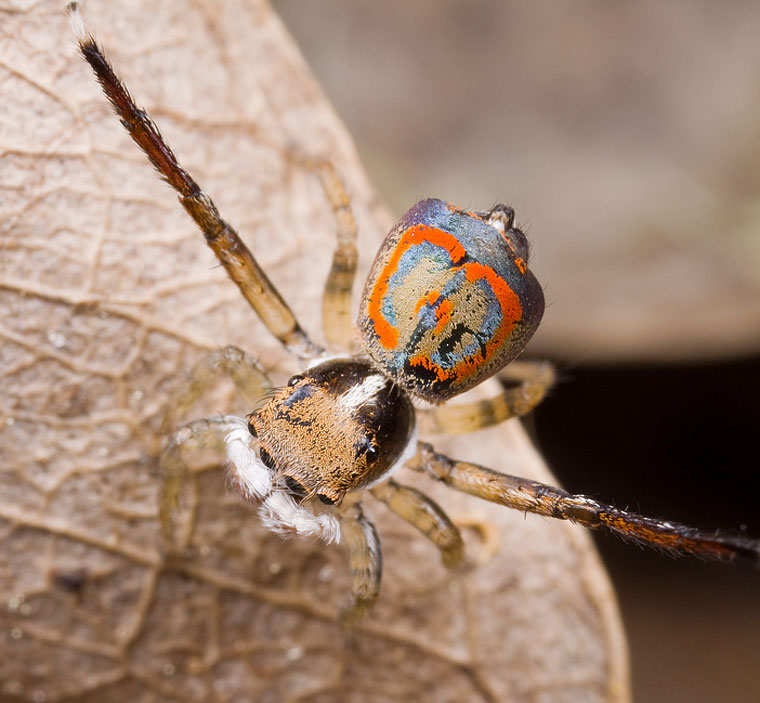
(339, 426)
(449, 302)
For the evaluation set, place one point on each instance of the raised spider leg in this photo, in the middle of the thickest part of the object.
(524, 386)
(531, 496)
(336, 299)
(238, 261)
(365, 561)
(424, 514)
(250, 381)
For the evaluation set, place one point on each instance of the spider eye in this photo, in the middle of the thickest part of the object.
(325, 499)
(266, 458)
(251, 428)
(294, 486)
(365, 448)
(295, 379)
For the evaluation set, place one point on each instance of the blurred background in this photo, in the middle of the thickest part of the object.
(626, 136)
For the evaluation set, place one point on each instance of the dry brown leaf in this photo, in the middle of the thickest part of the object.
(108, 296)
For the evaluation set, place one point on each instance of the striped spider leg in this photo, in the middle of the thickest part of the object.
(534, 497)
(449, 302)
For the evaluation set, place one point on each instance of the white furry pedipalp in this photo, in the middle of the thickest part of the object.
(252, 478)
(280, 513)
(278, 509)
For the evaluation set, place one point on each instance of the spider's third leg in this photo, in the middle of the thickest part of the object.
(531, 496)
(524, 385)
(366, 562)
(424, 514)
(238, 261)
(336, 299)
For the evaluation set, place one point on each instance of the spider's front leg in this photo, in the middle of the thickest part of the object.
(207, 433)
(534, 497)
(251, 382)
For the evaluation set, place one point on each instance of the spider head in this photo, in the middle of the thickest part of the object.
(336, 427)
(449, 300)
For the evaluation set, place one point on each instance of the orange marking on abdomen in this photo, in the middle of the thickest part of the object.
(508, 300)
(429, 299)
(427, 363)
(443, 314)
(386, 332)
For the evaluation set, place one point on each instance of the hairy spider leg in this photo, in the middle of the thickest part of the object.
(336, 299)
(426, 515)
(524, 386)
(246, 373)
(207, 433)
(534, 497)
(365, 561)
(234, 255)
(251, 383)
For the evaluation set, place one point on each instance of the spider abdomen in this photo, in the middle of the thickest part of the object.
(339, 426)
(449, 300)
